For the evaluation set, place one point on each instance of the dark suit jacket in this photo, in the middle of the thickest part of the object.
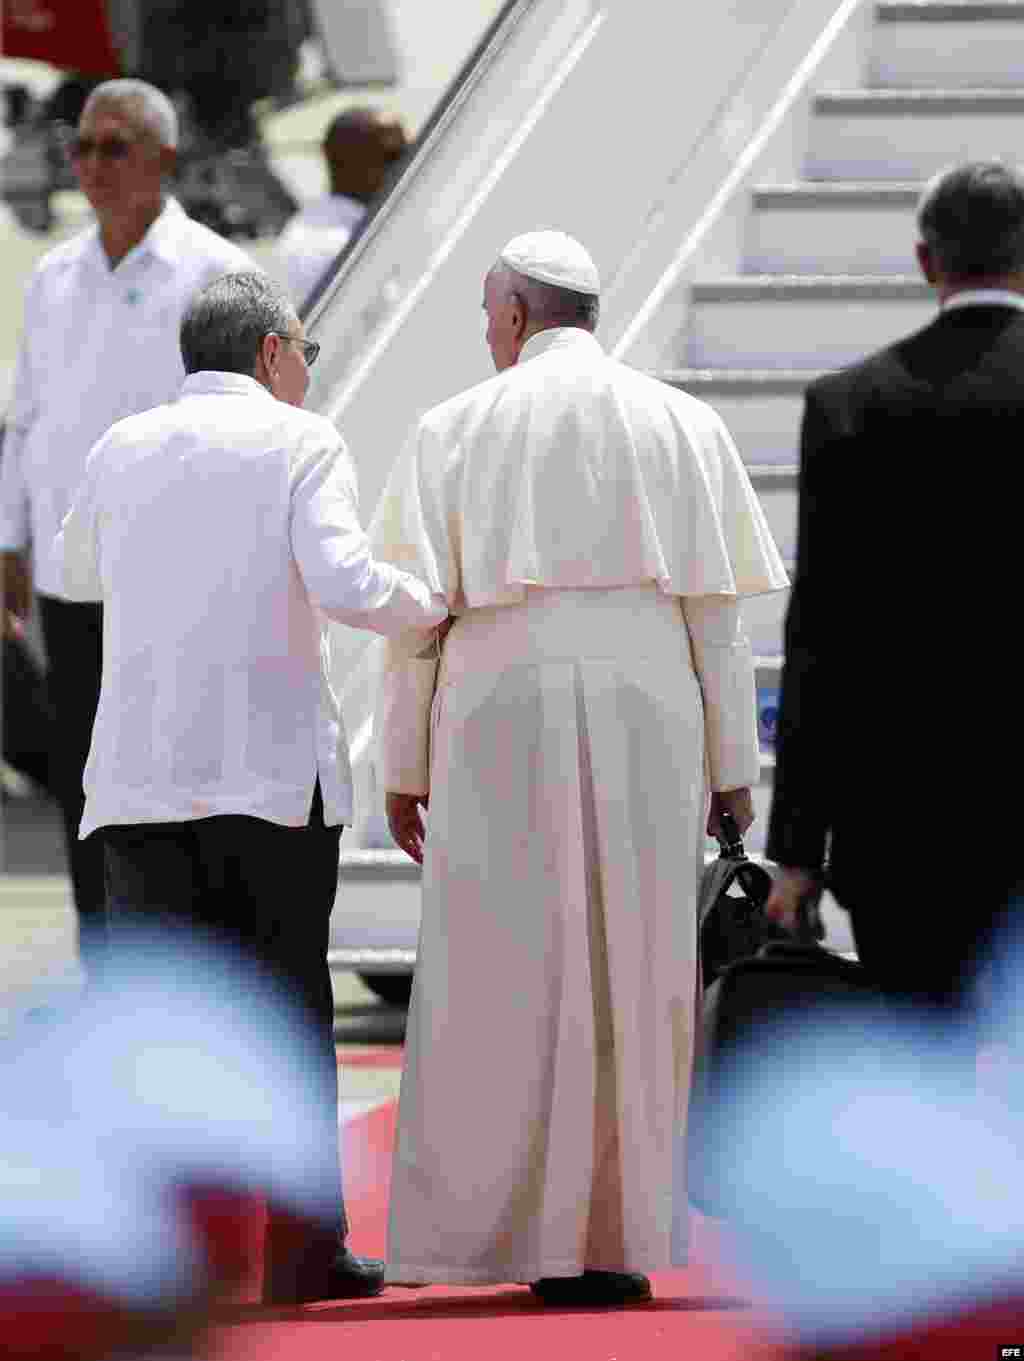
(901, 714)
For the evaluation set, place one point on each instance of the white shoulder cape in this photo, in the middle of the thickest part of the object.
(572, 470)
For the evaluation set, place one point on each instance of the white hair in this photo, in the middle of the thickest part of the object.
(153, 110)
(551, 303)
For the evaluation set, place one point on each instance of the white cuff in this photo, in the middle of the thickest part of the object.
(730, 717)
(725, 668)
(402, 725)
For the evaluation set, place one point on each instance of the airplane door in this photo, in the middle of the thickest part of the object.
(358, 40)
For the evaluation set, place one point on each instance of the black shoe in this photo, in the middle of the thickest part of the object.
(354, 1278)
(347, 1277)
(593, 1288)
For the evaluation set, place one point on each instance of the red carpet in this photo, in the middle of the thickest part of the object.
(699, 1313)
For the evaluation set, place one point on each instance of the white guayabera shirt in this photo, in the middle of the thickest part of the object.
(218, 530)
(99, 344)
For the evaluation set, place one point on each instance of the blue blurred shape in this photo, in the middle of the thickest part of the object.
(182, 1066)
(767, 714)
(867, 1186)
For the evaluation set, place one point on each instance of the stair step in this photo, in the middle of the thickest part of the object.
(845, 194)
(960, 45)
(813, 287)
(769, 665)
(957, 12)
(908, 134)
(789, 322)
(762, 412)
(832, 229)
(773, 474)
(934, 102)
(709, 384)
(762, 409)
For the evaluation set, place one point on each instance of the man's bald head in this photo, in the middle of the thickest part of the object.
(361, 145)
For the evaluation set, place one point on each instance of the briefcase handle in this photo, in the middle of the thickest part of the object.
(730, 842)
(810, 929)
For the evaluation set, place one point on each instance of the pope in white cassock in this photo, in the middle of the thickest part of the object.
(593, 529)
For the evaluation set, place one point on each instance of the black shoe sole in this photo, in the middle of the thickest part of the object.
(588, 1297)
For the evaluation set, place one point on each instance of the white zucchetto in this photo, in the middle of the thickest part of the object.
(553, 258)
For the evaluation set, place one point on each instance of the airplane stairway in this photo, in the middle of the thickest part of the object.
(828, 271)
(816, 269)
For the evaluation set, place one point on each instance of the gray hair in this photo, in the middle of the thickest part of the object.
(224, 325)
(152, 109)
(972, 218)
(550, 303)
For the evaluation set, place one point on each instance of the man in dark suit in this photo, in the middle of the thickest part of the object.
(899, 741)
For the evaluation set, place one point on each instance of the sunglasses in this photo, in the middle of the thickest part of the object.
(310, 349)
(106, 148)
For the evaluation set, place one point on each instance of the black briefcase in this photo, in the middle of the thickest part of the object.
(750, 1004)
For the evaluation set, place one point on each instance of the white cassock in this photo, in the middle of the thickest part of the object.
(593, 529)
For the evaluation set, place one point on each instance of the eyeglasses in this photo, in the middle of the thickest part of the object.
(310, 349)
(106, 148)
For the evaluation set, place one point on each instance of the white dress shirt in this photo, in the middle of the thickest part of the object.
(99, 344)
(312, 240)
(983, 297)
(218, 530)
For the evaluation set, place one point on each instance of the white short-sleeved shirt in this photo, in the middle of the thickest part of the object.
(99, 344)
(313, 240)
(219, 530)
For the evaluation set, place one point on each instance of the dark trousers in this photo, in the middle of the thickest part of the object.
(928, 933)
(73, 637)
(268, 890)
(29, 743)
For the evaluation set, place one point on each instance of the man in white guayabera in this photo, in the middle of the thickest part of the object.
(593, 530)
(219, 530)
(100, 342)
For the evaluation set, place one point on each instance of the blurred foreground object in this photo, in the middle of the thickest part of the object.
(874, 1192)
(218, 59)
(137, 1132)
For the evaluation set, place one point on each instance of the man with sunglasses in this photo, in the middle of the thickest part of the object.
(219, 530)
(100, 342)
